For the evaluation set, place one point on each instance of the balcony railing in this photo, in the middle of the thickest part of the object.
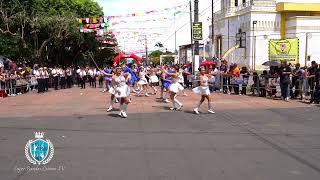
(262, 5)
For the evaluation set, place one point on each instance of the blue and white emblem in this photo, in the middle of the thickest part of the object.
(38, 150)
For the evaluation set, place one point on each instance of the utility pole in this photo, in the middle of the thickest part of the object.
(175, 34)
(195, 59)
(196, 19)
(191, 28)
(306, 50)
(146, 45)
(212, 27)
(253, 45)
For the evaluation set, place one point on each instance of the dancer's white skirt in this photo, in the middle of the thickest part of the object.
(154, 79)
(112, 91)
(142, 82)
(122, 91)
(176, 87)
(202, 90)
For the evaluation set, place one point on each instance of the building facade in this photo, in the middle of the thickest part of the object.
(255, 22)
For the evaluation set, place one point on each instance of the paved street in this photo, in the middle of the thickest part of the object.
(249, 138)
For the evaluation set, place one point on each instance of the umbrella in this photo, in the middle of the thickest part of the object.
(186, 65)
(271, 63)
(207, 63)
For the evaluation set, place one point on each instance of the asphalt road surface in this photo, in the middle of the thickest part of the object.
(248, 138)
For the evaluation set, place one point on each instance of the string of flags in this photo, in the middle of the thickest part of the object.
(130, 29)
(139, 13)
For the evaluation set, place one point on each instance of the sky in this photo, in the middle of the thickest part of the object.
(180, 23)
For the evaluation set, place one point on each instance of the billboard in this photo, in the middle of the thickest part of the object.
(285, 49)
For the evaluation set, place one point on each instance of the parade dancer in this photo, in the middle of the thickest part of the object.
(174, 88)
(165, 83)
(143, 82)
(135, 71)
(107, 79)
(154, 79)
(204, 91)
(121, 90)
(181, 80)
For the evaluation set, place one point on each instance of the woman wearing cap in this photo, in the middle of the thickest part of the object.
(143, 82)
(174, 88)
(204, 91)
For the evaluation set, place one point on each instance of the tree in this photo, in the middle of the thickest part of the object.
(46, 31)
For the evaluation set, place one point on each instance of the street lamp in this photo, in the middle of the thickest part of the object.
(253, 45)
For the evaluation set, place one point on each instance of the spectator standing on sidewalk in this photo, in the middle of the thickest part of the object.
(317, 89)
(235, 75)
(224, 71)
(297, 80)
(311, 76)
(285, 72)
(245, 76)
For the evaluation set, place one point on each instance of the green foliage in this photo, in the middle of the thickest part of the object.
(155, 57)
(46, 31)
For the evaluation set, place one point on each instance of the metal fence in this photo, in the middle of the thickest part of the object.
(260, 85)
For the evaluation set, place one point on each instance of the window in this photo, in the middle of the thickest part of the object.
(236, 3)
(243, 1)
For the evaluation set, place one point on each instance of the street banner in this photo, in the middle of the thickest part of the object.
(286, 49)
(197, 31)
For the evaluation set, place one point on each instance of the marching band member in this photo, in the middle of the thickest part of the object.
(69, 77)
(174, 88)
(82, 75)
(91, 77)
(36, 73)
(46, 78)
(204, 91)
(62, 74)
(55, 74)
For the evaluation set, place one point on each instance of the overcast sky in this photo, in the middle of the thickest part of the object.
(181, 25)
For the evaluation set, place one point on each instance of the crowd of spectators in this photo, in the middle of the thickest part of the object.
(285, 80)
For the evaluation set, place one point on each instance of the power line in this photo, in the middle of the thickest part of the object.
(201, 14)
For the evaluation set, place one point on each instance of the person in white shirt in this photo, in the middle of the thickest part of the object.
(78, 76)
(82, 75)
(69, 77)
(90, 77)
(46, 78)
(36, 73)
(55, 75)
(94, 78)
(62, 73)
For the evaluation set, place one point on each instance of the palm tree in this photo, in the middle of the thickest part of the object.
(159, 45)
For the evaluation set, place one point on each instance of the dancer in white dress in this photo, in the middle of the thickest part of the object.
(143, 82)
(181, 80)
(204, 91)
(120, 90)
(153, 79)
(174, 88)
